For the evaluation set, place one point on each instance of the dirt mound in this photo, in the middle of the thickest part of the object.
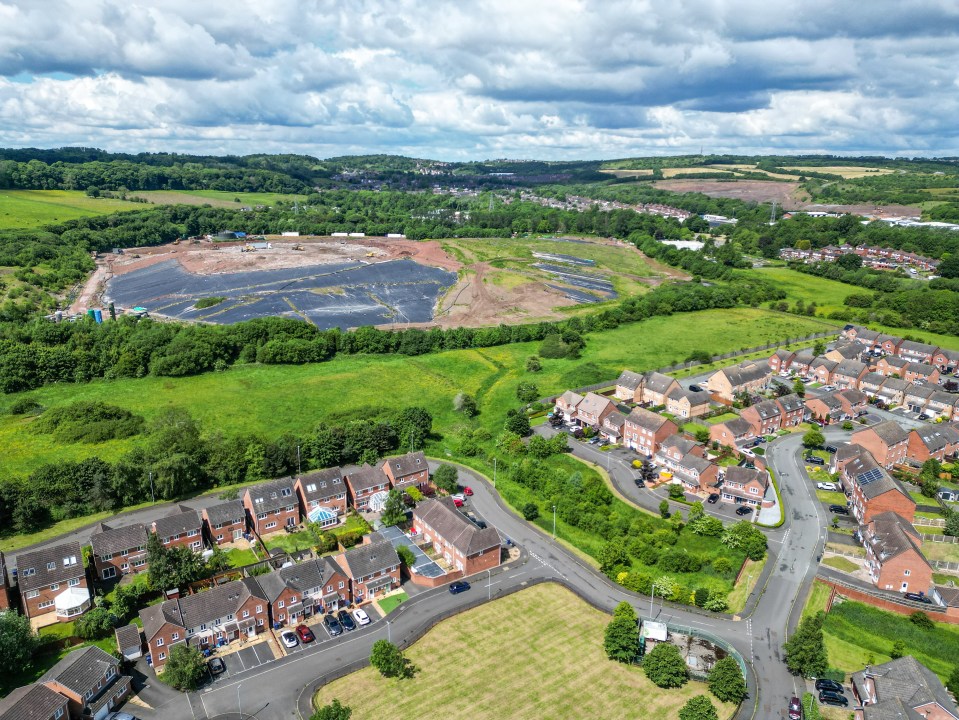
(788, 195)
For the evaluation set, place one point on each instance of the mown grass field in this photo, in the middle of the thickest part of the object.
(34, 208)
(550, 665)
(216, 198)
(828, 295)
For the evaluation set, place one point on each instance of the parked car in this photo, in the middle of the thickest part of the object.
(831, 449)
(459, 586)
(216, 666)
(468, 491)
(361, 617)
(306, 635)
(289, 638)
(830, 685)
(594, 440)
(826, 486)
(713, 498)
(795, 708)
(332, 625)
(839, 509)
(119, 716)
(346, 620)
(459, 496)
(814, 460)
(832, 698)
(917, 597)
(695, 388)
(923, 416)
(744, 510)
(457, 501)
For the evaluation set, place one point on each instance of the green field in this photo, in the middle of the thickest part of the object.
(34, 208)
(550, 665)
(828, 295)
(817, 600)
(216, 198)
(840, 563)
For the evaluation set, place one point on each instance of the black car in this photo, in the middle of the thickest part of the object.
(695, 388)
(830, 685)
(458, 587)
(814, 460)
(839, 509)
(346, 620)
(831, 449)
(744, 510)
(713, 499)
(216, 666)
(332, 625)
(832, 698)
(923, 416)
(640, 482)
(917, 597)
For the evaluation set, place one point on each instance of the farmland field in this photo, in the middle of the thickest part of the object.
(827, 294)
(526, 672)
(846, 171)
(35, 208)
(216, 198)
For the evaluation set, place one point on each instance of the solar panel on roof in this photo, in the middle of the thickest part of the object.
(870, 476)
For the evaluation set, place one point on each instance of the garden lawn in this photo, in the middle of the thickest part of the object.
(550, 665)
(291, 542)
(817, 600)
(35, 208)
(47, 657)
(240, 558)
(390, 602)
(722, 418)
(941, 551)
(831, 498)
(841, 563)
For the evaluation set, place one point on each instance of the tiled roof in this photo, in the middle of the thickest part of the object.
(629, 380)
(744, 475)
(866, 334)
(694, 398)
(791, 402)
(645, 419)
(850, 368)
(894, 361)
(738, 427)
(937, 437)
(217, 602)
(941, 397)
(890, 432)
(31, 702)
(571, 399)
(767, 409)
(922, 369)
(376, 556)
(678, 442)
(50, 565)
(872, 379)
(270, 496)
(366, 477)
(894, 386)
(180, 521)
(695, 462)
(455, 528)
(408, 464)
(890, 535)
(615, 419)
(154, 617)
(127, 637)
(903, 683)
(323, 484)
(657, 382)
(830, 365)
(745, 372)
(226, 512)
(852, 396)
(81, 669)
(850, 351)
(593, 404)
(830, 401)
(107, 540)
(871, 477)
(917, 347)
(301, 577)
(919, 392)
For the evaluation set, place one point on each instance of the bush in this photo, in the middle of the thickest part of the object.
(23, 406)
(208, 302)
(665, 667)
(530, 511)
(97, 623)
(184, 669)
(527, 392)
(676, 492)
(722, 565)
(406, 556)
(726, 681)
(664, 508)
(701, 596)
(445, 478)
(921, 620)
(533, 364)
(698, 708)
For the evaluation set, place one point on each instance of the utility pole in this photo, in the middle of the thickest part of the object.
(152, 494)
(554, 522)
(299, 470)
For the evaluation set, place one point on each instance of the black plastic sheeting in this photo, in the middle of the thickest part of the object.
(559, 257)
(343, 295)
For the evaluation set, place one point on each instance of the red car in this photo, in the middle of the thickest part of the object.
(306, 635)
(468, 491)
(457, 502)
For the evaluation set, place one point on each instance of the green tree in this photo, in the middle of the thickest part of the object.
(806, 649)
(393, 511)
(184, 668)
(445, 478)
(17, 642)
(96, 623)
(799, 388)
(527, 392)
(530, 511)
(664, 508)
(414, 493)
(465, 404)
(389, 660)
(922, 621)
(406, 556)
(953, 682)
(813, 438)
(517, 422)
(612, 555)
(698, 708)
(818, 348)
(726, 681)
(898, 649)
(676, 492)
(621, 639)
(333, 711)
(702, 435)
(665, 667)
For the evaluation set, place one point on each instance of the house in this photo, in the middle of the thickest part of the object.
(801, 362)
(916, 398)
(822, 370)
(405, 471)
(887, 441)
(593, 409)
(746, 377)
(322, 496)
(744, 486)
(373, 568)
(781, 360)
(305, 589)
(33, 702)
(903, 688)
(4, 585)
(219, 615)
(686, 403)
(696, 472)
(932, 441)
(941, 404)
(53, 580)
(732, 432)
(852, 401)
(921, 371)
(182, 527)
(129, 641)
(889, 344)
(119, 550)
(272, 505)
(225, 522)
(823, 407)
(463, 544)
(916, 351)
(568, 402)
(363, 484)
(891, 365)
(893, 391)
(654, 388)
(873, 490)
(764, 417)
(793, 410)
(946, 360)
(90, 680)
(871, 382)
(845, 351)
(863, 336)
(645, 431)
(894, 556)
(613, 426)
(627, 385)
(848, 373)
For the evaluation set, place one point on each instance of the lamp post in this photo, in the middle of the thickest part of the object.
(554, 522)
(389, 636)
(239, 705)
(152, 494)
(489, 583)
(299, 470)
(652, 594)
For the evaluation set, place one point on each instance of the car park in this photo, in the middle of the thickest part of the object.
(346, 620)
(361, 617)
(289, 638)
(917, 597)
(839, 509)
(830, 685)
(795, 708)
(832, 698)
(306, 635)
(744, 510)
(332, 625)
(458, 587)
(713, 498)
(216, 666)
(826, 486)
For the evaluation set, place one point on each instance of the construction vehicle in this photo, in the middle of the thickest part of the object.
(298, 247)
(371, 254)
(177, 241)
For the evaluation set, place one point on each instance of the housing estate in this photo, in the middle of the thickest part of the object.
(686, 403)
(936, 442)
(225, 522)
(747, 376)
(744, 486)
(593, 410)
(119, 550)
(90, 680)
(463, 544)
(182, 527)
(732, 432)
(873, 490)
(363, 484)
(305, 589)
(53, 582)
(410, 470)
(322, 496)
(888, 442)
(644, 431)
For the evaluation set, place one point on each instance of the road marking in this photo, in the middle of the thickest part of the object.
(541, 560)
(749, 629)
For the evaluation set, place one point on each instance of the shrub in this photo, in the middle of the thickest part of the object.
(23, 406)
(726, 681)
(722, 565)
(97, 623)
(184, 668)
(208, 302)
(530, 511)
(665, 667)
(921, 620)
(698, 708)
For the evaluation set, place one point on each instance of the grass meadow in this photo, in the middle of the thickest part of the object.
(540, 668)
(35, 208)
(216, 198)
(828, 295)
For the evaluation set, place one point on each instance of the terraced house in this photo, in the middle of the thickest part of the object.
(923, 372)
(183, 527)
(272, 505)
(894, 556)
(946, 360)
(53, 584)
(916, 352)
(225, 522)
(873, 490)
(91, 682)
(848, 373)
(322, 496)
(465, 546)
(119, 550)
(888, 442)
(764, 418)
(891, 365)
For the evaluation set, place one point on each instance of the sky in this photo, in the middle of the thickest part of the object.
(472, 80)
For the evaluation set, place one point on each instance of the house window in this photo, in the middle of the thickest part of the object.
(246, 613)
(270, 525)
(163, 656)
(160, 642)
(58, 714)
(51, 566)
(259, 608)
(340, 585)
(45, 604)
(55, 586)
(281, 604)
(286, 492)
(74, 582)
(175, 636)
(259, 622)
(32, 594)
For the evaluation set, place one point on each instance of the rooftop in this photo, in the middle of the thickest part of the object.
(50, 565)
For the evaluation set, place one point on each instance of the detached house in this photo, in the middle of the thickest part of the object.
(903, 688)
(873, 490)
(463, 544)
(744, 486)
(732, 432)
(819, 408)
(322, 496)
(308, 588)
(764, 417)
(916, 352)
(887, 441)
(644, 431)
(91, 682)
(181, 528)
(894, 554)
(746, 377)
(627, 386)
(34, 702)
(613, 426)
(272, 505)
(363, 484)
(593, 410)
(225, 522)
(686, 459)
(568, 402)
(686, 403)
(119, 550)
(373, 568)
(932, 442)
(405, 471)
(852, 402)
(52, 580)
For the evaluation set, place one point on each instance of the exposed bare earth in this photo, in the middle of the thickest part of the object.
(788, 195)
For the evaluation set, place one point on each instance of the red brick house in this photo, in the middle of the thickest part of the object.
(308, 588)
(732, 432)
(744, 486)
(119, 550)
(873, 490)
(802, 362)
(891, 365)
(465, 546)
(946, 360)
(654, 388)
(893, 391)
(410, 470)
(225, 522)
(871, 382)
(53, 580)
(793, 410)
(272, 505)
(889, 344)
(34, 702)
(822, 370)
(593, 410)
(686, 459)
(921, 371)
(747, 377)
(903, 688)
(90, 680)
(764, 417)
(322, 496)
(363, 483)
(781, 360)
(862, 335)
(686, 403)
(819, 408)
(613, 427)
(942, 404)
(894, 556)
(847, 351)
(183, 527)
(851, 401)
(373, 568)
(4, 585)
(223, 613)
(916, 398)
(644, 431)
(916, 352)
(848, 373)
(887, 441)
(932, 442)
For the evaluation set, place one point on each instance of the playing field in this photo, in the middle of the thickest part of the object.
(35, 208)
(535, 654)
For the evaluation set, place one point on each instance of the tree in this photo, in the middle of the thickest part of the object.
(806, 649)
(527, 392)
(17, 643)
(96, 623)
(813, 438)
(898, 650)
(621, 639)
(698, 708)
(952, 524)
(406, 556)
(676, 492)
(465, 404)
(389, 660)
(171, 567)
(726, 681)
(664, 508)
(517, 422)
(333, 711)
(665, 667)
(702, 435)
(818, 348)
(799, 388)
(445, 478)
(393, 511)
(533, 364)
(922, 621)
(184, 668)
(414, 493)
(612, 555)
(953, 682)
(530, 511)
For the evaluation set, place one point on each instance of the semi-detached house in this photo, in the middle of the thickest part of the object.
(405, 471)
(644, 431)
(627, 385)
(90, 680)
(746, 377)
(937, 442)
(225, 522)
(119, 550)
(916, 351)
(686, 403)
(764, 418)
(53, 582)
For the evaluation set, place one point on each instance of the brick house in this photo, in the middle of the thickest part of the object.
(916, 398)
(675, 447)
(889, 344)
(225, 522)
(946, 360)
(764, 417)
(891, 365)
(848, 373)
(33, 702)
(887, 441)
(463, 544)
(847, 351)
(863, 336)
(221, 614)
(626, 386)
(941, 404)
(654, 388)
(744, 486)
(183, 527)
(645, 430)
(373, 568)
(410, 470)
(363, 483)
(568, 402)
(873, 490)
(916, 351)
(921, 371)
(793, 410)
(322, 496)
(308, 588)
(593, 410)
(780, 360)
(271, 505)
(894, 556)
(932, 441)
(4, 585)
(802, 362)
(686, 403)
(732, 432)
(893, 391)
(871, 382)
(903, 688)
(90, 680)
(613, 426)
(53, 580)
(822, 370)
(119, 550)
(819, 408)
(746, 377)
(851, 401)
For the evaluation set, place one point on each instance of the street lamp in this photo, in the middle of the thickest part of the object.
(152, 494)
(489, 583)
(389, 636)
(652, 594)
(239, 705)
(554, 522)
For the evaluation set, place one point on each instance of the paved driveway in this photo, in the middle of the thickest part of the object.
(248, 658)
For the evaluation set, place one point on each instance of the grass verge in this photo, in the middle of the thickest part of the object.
(817, 600)
(840, 563)
(742, 589)
(390, 602)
